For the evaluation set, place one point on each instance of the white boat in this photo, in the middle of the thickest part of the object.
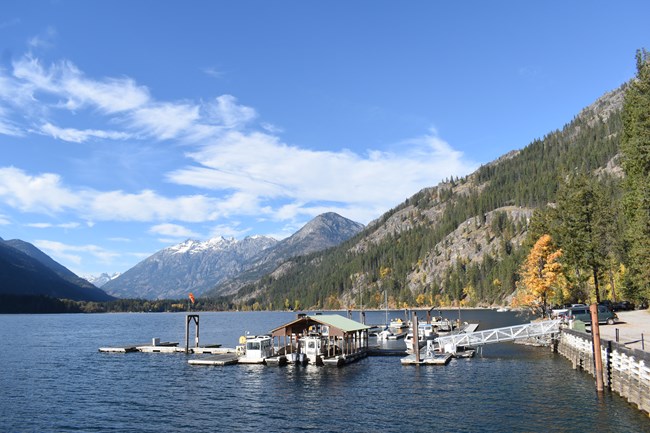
(314, 348)
(397, 325)
(389, 334)
(426, 331)
(442, 325)
(255, 349)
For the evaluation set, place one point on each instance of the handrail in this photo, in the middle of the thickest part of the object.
(497, 335)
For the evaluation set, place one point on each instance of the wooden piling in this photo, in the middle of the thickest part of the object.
(189, 318)
(595, 338)
(416, 340)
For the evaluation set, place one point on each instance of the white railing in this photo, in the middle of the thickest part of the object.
(449, 343)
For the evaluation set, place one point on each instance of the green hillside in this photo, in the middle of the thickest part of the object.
(463, 242)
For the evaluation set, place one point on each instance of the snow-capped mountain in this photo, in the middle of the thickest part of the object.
(221, 265)
(102, 279)
(191, 266)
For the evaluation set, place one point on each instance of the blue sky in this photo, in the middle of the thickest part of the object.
(128, 126)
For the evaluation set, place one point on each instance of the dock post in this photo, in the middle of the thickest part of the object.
(595, 336)
(416, 340)
(189, 318)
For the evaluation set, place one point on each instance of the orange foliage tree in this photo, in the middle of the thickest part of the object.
(541, 275)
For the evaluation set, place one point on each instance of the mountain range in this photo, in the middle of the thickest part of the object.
(220, 266)
(463, 239)
(26, 270)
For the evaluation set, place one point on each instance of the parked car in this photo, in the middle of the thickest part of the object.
(605, 315)
(609, 304)
(623, 306)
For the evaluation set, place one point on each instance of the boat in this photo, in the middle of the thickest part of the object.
(254, 349)
(426, 331)
(389, 334)
(443, 325)
(397, 325)
(314, 347)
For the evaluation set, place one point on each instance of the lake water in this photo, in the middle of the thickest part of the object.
(55, 380)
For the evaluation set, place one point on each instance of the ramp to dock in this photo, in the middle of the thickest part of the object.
(449, 343)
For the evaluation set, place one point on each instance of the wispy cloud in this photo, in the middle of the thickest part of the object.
(72, 225)
(173, 230)
(241, 168)
(80, 136)
(213, 72)
(75, 253)
(262, 168)
(228, 231)
(43, 40)
(165, 121)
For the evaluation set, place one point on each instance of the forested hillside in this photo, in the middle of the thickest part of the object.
(565, 219)
(461, 242)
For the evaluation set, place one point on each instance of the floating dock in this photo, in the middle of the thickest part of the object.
(165, 347)
(221, 359)
(437, 359)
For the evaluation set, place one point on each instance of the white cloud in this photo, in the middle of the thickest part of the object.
(244, 171)
(4, 220)
(36, 92)
(66, 81)
(75, 253)
(43, 193)
(173, 230)
(262, 168)
(166, 121)
(43, 40)
(80, 136)
(228, 231)
(213, 72)
(227, 112)
(119, 239)
(72, 225)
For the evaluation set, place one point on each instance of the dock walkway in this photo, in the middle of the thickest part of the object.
(449, 343)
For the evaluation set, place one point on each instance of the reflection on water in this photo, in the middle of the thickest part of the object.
(55, 380)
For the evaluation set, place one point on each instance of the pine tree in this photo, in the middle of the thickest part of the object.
(585, 229)
(635, 146)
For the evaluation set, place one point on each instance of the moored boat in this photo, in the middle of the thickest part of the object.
(255, 349)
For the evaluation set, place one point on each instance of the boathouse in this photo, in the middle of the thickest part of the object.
(338, 340)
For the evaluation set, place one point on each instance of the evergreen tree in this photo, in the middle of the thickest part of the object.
(585, 229)
(635, 146)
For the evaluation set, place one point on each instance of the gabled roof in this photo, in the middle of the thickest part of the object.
(333, 320)
(340, 322)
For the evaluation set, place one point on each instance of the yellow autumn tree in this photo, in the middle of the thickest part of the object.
(540, 274)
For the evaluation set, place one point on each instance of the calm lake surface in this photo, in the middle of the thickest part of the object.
(55, 380)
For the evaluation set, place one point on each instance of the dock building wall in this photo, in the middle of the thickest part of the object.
(625, 371)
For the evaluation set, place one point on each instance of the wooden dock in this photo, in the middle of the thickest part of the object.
(166, 347)
(139, 347)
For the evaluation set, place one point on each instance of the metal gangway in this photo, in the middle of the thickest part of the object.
(450, 343)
